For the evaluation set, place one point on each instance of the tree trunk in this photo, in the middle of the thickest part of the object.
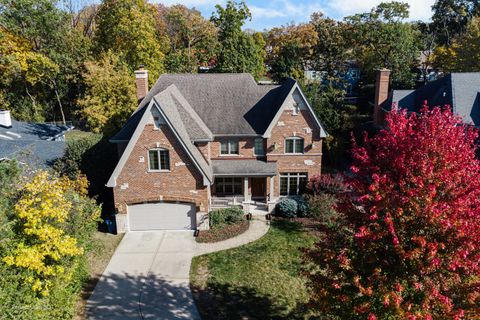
(59, 102)
(33, 102)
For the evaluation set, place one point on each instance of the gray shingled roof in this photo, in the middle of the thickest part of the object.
(458, 90)
(227, 104)
(34, 131)
(32, 143)
(169, 99)
(243, 168)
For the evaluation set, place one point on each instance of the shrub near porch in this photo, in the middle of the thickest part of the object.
(261, 280)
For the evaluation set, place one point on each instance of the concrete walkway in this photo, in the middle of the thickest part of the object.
(148, 275)
(257, 229)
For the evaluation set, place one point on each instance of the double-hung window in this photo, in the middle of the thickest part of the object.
(158, 160)
(228, 186)
(294, 145)
(259, 149)
(292, 184)
(229, 147)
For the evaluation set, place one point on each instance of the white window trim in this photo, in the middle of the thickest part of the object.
(290, 175)
(294, 139)
(159, 162)
(263, 148)
(229, 154)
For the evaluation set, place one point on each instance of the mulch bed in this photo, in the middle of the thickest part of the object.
(224, 232)
(309, 224)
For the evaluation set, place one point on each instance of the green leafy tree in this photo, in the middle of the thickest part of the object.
(332, 48)
(193, 39)
(238, 50)
(129, 28)
(450, 18)
(382, 39)
(464, 53)
(110, 97)
(327, 101)
(291, 50)
(50, 37)
(288, 63)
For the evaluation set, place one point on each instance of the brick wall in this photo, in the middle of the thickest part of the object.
(298, 125)
(183, 183)
(245, 149)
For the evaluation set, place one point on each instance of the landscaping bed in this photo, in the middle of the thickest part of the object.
(226, 232)
(260, 280)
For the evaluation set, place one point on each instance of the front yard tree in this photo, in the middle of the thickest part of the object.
(409, 247)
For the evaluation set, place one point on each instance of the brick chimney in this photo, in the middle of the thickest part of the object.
(141, 79)
(381, 94)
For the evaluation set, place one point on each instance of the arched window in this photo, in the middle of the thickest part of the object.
(158, 160)
(294, 145)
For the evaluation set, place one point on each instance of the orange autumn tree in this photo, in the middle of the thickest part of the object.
(406, 242)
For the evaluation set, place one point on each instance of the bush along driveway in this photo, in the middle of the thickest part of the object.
(261, 280)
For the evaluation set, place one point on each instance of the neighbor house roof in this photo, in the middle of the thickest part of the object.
(248, 167)
(32, 142)
(458, 90)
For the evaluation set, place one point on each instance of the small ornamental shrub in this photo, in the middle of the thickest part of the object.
(302, 207)
(408, 245)
(287, 207)
(221, 217)
(322, 209)
(326, 183)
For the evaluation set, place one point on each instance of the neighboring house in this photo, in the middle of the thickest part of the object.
(460, 91)
(204, 141)
(349, 78)
(36, 144)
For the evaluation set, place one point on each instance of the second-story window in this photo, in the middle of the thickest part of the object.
(158, 160)
(294, 145)
(259, 149)
(229, 147)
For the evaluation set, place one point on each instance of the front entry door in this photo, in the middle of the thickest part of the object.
(258, 188)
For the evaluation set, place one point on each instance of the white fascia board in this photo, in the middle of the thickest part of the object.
(204, 174)
(112, 182)
(268, 132)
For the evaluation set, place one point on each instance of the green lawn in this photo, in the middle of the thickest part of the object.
(261, 280)
(75, 134)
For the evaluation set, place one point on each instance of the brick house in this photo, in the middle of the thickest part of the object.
(202, 141)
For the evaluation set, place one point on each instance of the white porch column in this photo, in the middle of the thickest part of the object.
(245, 189)
(272, 182)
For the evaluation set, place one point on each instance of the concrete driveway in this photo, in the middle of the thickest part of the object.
(147, 278)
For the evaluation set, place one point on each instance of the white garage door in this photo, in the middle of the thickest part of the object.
(161, 216)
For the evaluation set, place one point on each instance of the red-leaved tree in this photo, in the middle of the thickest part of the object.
(407, 240)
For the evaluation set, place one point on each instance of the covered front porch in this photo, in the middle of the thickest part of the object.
(244, 183)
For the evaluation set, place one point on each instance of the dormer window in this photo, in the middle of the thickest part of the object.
(229, 147)
(158, 160)
(294, 145)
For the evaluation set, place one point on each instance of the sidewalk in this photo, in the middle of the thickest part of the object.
(258, 228)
